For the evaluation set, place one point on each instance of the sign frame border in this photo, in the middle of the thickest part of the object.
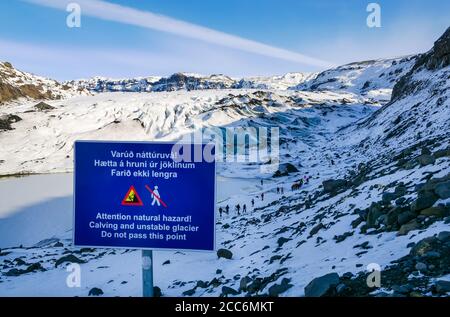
(214, 249)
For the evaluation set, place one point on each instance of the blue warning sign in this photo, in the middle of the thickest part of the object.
(144, 195)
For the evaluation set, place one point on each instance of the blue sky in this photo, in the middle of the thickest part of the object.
(234, 37)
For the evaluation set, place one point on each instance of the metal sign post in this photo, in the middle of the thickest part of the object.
(147, 273)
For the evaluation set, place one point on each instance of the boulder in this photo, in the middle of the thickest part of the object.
(373, 214)
(438, 211)
(7, 120)
(42, 106)
(69, 258)
(224, 253)
(229, 291)
(282, 240)
(424, 200)
(277, 289)
(444, 236)
(244, 282)
(422, 247)
(426, 159)
(442, 153)
(443, 190)
(157, 291)
(285, 169)
(95, 292)
(405, 217)
(388, 197)
(331, 186)
(407, 227)
(421, 267)
(442, 287)
(189, 292)
(322, 286)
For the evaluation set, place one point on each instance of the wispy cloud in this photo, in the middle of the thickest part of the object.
(131, 16)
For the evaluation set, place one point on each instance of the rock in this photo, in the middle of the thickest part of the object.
(400, 201)
(58, 244)
(316, 229)
(422, 247)
(19, 261)
(388, 197)
(7, 120)
(14, 272)
(374, 214)
(282, 240)
(69, 258)
(189, 292)
(342, 237)
(405, 217)
(255, 286)
(166, 262)
(426, 159)
(442, 287)
(432, 254)
(421, 267)
(355, 223)
(95, 292)
(275, 258)
(201, 284)
(244, 282)
(42, 106)
(224, 253)
(214, 282)
(443, 190)
(412, 225)
(444, 236)
(341, 288)
(229, 291)
(331, 186)
(285, 169)
(442, 153)
(157, 291)
(425, 151)
(322, 286)
(400, 190)
(31, 268)
(277, 289)
(392, 216)
(438, 211)
(424, 200)
(402, 289)
(218, 271)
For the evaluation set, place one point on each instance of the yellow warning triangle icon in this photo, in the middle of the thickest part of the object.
(132, 198)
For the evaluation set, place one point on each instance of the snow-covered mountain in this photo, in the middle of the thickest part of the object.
(15, 84)
(378, 194)
(188, 82)
(374, 79)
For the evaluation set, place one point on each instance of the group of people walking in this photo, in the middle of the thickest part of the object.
(238, 208)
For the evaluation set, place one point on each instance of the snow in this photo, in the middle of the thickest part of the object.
(321, 129)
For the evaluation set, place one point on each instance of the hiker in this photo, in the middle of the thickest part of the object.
(262, 182)
(282, 190)
(238, 207)
(262, 196)
(278, 190)
(155, 195)
(244, 208)
(220, 212)
(253, 203)
(307, 177)
(227, 209)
